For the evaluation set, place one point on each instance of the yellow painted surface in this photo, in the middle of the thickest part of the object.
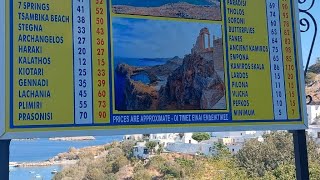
(258, 104)
(60, 75)
(58, 71)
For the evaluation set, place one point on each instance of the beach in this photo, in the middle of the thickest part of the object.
(29, 158)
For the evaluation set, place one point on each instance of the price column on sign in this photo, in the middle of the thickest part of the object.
(289, 59)
(276, 61)
(82, 62)
(100, 61)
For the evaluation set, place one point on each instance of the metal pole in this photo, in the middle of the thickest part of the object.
(301, 154)
(4, 159)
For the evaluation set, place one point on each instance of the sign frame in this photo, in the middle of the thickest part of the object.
(167, 128)
(2, 67)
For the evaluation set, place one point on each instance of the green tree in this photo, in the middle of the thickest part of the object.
(172, 170)
(160, 149)
(94, 174)
(151, 145)
(285, 172)
(315, 68)
(127, 147)
(259, 157)
(221, 150)
(145, 136)
(310, 77)
(275, 154)
(142, 174)
(200, 136)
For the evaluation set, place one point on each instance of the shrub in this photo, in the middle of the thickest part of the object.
(127, 147)
(200, 136)
(86, 155)
(172, 169)
(151, 145)
(114, 154)
(75, 172)
(156, 162)
(142, 174)
(94, 174)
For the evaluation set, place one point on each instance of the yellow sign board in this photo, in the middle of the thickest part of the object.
(100, 67)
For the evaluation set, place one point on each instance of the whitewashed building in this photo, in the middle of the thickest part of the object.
(189, 148)
(134, 137)
(141, 151)
(187, 138)
(313, 113)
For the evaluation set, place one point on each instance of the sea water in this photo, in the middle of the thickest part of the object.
(119, 79)
(44, 149)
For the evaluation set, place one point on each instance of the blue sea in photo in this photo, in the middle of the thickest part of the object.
(120, 79)
(44, 149)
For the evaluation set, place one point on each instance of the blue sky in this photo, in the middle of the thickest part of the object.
(139, 38)
(306, 37)
(153, 37)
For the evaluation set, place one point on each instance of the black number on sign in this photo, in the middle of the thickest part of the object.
(81, 40)
(81, 19)
(83, 61)
(279, 94)
(272, 14)
(82, 72)
(81, 30)
(83, 93)
(83, 104)
(275, 49)
(82, 83)
(82, 51)
(274, 40)
(272, 5)
(80, 9)
(83, 115)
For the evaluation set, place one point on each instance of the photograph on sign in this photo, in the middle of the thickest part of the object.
(184, 9)
(166, 68)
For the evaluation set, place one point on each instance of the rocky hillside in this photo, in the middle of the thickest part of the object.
(141, 96)
(189, 84)
(194, 85)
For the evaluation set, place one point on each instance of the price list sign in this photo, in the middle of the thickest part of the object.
(104, 67)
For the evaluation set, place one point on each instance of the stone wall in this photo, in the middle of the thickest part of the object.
(218, 54)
